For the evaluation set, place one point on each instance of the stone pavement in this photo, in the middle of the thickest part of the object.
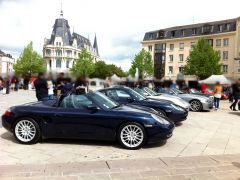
(179, 168)
(203, 135)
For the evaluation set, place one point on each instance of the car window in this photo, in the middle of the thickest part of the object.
(122, 94)
(76, 102)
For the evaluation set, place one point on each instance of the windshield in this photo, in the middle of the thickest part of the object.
(148, 90)
(136, 95)
(142, 92)
(103, 101)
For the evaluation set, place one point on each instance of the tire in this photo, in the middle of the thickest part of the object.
(27, 131)
(195, 105)
(128, 133)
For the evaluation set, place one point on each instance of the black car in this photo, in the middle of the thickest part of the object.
(89, 116)
(125, 95)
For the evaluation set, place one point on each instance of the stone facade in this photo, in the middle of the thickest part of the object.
(6, 63)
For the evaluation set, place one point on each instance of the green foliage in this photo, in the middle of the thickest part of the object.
(103, 70)
(29, 62)
(84, 65)
(143, 61)
(203, 60)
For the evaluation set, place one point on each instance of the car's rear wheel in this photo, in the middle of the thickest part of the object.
(161, 113)
(196, 105)
(132, 135)
(26, 131)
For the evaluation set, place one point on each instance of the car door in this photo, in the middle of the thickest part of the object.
(73, 119)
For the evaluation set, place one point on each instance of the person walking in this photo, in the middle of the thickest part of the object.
(80, 86)
(217, 95)
(236, 95)
(1, 84)
(59, 84)
(8, 84)
(41, 87)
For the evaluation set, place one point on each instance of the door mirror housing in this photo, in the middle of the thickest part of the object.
(92, 107)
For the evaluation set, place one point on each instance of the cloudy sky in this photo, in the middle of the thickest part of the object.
(119, 24)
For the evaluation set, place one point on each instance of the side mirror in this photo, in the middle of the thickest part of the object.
(92, 107)
(130, 99)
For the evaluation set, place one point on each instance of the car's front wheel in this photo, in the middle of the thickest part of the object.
(26, 131)
(196, 105)
(132, 135)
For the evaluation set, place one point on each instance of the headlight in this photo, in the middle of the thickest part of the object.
(177, 107)
(160, 119)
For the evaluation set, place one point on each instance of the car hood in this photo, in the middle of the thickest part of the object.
(192, 96)
(176, 100)
(135, 109)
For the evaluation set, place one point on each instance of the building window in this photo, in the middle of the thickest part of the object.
(225, 68)
(48, 52)
(69, 53)
(225, 55)
(210, 41)
(194, 31)
(211, 28)
(227, 27)
(181, 57)
(182, 32)
(149, 48)
(218, 42)
(50, 64)
(180, 69)
(58, 53)
(171, 47)
(170, 58)
(58, 63)
(192, 44)
(219, 28)
(181, 45)
(173, 33)
(67, 64)
(225, 42)
(170, 69)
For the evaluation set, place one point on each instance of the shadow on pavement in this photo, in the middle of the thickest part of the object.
(8, 136)
(235, 113)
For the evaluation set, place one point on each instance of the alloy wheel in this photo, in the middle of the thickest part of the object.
(132, 136)
(196, 105)
(25, 131)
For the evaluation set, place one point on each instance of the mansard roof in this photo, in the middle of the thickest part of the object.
(199, 29)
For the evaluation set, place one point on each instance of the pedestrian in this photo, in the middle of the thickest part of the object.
(1, 84)
(59, 84)
(41, 87)
(7, 84)
(15, 83)
(26, 80)
(235, 94)
(217, 95)
(50, 84)
(68, 86)
(80, 86)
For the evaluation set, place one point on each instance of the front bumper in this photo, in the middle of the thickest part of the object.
(159, 133)
(178, 116)
(207, 106)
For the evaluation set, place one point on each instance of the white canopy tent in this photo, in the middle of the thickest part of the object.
(216, 78)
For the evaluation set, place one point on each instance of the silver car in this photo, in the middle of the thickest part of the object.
(197, 102)
(153, 95)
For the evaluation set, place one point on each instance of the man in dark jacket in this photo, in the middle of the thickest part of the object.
(236, 95)
(41, 87)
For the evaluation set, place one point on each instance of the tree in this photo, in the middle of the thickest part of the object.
(143, 61)
(103, 70)
(84, 65)
(29, 62)
(203, 60)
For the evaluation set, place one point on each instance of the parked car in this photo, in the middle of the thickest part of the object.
(90, 116)
(125, 95)
(154, 95)
(197, 102)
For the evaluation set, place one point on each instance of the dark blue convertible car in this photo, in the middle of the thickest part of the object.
(89, 116)
(125, 95)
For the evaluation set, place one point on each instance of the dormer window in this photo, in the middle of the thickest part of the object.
(194, 31)
(227, 27)
(220, 28)
(172, 33)
(182, 32)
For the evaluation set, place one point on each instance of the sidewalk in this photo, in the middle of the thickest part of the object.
(198, 167)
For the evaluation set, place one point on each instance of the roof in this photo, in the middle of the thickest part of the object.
(81, 40)
(188, 30)
(95, 45)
